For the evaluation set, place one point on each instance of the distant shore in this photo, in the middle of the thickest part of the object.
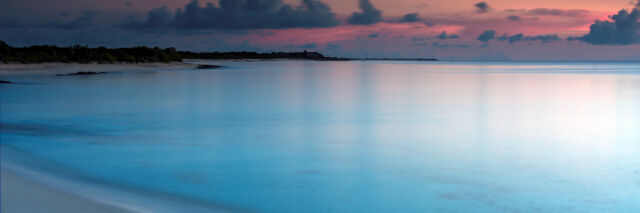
(13, 69)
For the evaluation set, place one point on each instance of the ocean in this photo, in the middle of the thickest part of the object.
(351, 136)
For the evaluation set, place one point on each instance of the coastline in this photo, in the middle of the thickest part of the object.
(21, 194)
(30, 184)
(15, 69)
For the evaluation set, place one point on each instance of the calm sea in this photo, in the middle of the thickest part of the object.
(297, 136)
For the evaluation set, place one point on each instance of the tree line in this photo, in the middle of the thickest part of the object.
(304, 55)
(142, 54)
(85, 54)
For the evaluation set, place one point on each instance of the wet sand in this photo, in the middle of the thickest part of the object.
(64, 68)
(20, 194)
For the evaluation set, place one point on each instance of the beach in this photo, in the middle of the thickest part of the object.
(22, 194)
(34, 185)
(14, 69)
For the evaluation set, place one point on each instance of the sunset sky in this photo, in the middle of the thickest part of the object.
(448, 30)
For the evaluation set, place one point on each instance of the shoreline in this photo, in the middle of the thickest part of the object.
(65, 68)
(28, 187)
(21, 194)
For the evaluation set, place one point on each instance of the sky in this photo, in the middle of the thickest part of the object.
(491, 30)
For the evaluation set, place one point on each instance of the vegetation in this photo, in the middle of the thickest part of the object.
(261, 56)
(84, 54)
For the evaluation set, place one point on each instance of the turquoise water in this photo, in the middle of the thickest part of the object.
(294, 136)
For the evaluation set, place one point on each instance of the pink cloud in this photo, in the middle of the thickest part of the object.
(342, 33)
(535, 21)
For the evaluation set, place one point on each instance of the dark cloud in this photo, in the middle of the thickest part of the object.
(83, 21)
(543, 38)
(94, 36)
(369, 14)
(444, 36)
(482, 7)
(128, 4)
(486, 36)
(375, 35)
(239, 14)
(420, 39)
(522, 38)
(503, 37)
(156, 18)
(411, 17)
(624, 29)
(514, 18)
(255, 14)
(557, 12)
(429, 24)
(10, 23)
(439, 45)
(515, 38)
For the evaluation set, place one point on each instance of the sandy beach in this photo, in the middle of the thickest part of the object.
(62, 68)
(26, 189)
(20, 194)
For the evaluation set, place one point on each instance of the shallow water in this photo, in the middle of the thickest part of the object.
(388, 136)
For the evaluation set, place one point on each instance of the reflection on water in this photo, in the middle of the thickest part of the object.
(348, 136)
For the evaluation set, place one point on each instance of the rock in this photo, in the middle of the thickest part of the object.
(5, 82)
(82, 73)
(207, 66)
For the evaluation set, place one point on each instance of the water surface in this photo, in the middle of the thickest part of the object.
(294, 136)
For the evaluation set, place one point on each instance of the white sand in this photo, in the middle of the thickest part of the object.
(25, 190)
(21, 194)
(60, 68)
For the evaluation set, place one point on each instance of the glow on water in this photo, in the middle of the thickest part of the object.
(347, 136)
